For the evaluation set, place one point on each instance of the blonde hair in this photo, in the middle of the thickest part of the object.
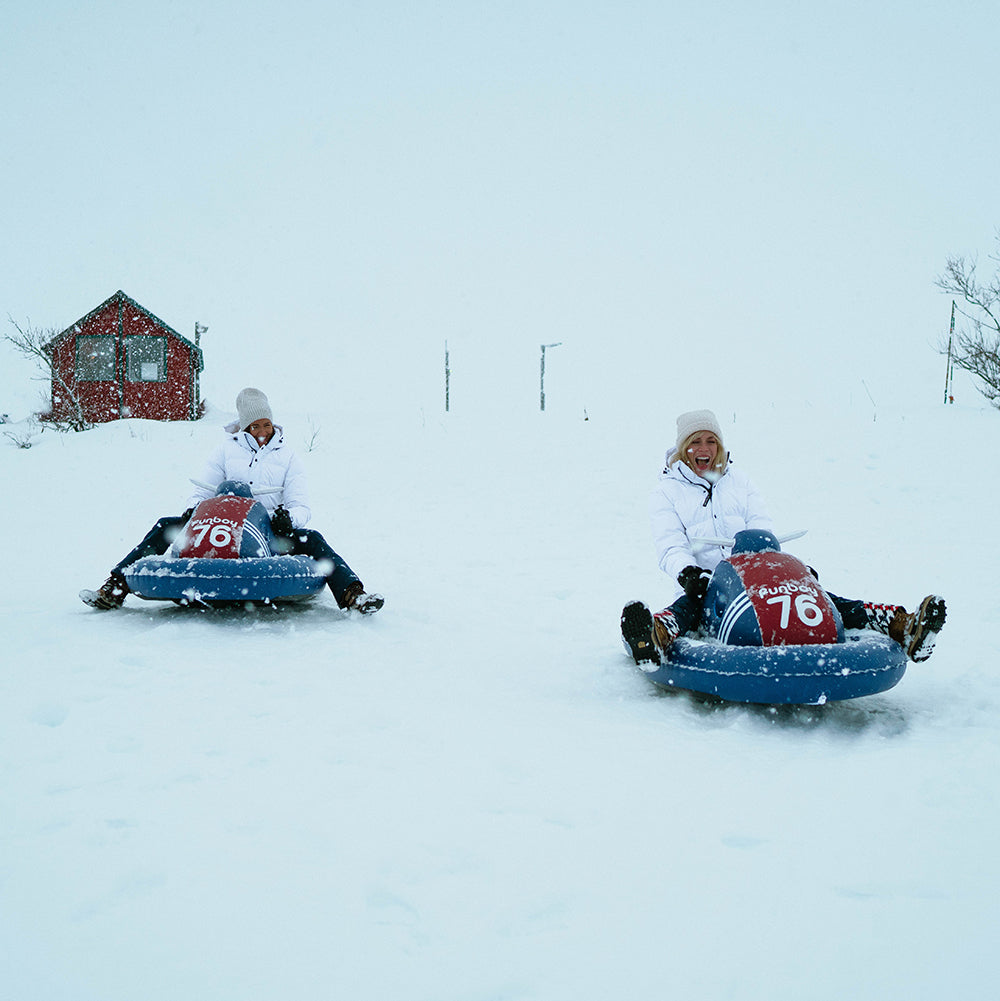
(682, 454)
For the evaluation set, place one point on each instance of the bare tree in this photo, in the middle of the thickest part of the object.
(976, 346)
(34, 343)
(26, 437)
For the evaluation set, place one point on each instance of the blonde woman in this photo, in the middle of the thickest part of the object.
(701, 495)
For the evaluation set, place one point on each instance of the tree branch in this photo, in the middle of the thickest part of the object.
(34, 343)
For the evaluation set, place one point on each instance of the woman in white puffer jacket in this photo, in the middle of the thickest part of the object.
(686, 505)
(265, 463)
(254, 453)
(700, 496)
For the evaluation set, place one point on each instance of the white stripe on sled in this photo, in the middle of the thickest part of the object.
(258, 536)
(733, 614)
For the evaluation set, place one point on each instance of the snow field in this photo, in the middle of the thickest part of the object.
(474, 794)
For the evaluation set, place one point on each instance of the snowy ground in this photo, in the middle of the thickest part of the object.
(474, 796)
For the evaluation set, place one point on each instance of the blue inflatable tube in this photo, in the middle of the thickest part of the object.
(199, 581)
(864, 664)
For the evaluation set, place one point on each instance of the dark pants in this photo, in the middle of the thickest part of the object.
(852, 611)
(306, 542)
(156, 542)
(303, 542)
(688, 612)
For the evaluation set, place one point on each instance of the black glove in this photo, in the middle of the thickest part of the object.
(186, 516)
(695, 580)
(281, 521)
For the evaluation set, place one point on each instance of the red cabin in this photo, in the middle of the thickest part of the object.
(122, 361)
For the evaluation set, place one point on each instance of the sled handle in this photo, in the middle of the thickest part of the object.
(731, 542)
(705, 540)
(260, 491)
(792, 535)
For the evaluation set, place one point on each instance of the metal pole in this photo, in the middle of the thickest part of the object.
(544, 346)
(120, 360)
(948, 369)
(199, 329)
(447, 380)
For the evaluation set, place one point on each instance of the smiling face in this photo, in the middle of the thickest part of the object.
(262, 430)
(702, 452)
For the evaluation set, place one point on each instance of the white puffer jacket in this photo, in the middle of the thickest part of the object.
(275, 464)
(685, 506)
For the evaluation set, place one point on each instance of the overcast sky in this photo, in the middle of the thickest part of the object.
(686, 196)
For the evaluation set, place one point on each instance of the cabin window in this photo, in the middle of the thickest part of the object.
(95, 358)
(146, 359)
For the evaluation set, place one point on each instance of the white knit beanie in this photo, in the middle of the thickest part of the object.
(251, 405)
(694, 421)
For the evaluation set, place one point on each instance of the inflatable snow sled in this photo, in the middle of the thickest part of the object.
(774, 637)
(226, 555)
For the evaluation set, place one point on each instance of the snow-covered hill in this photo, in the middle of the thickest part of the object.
(474, 795)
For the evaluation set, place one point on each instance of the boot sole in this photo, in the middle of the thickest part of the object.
(370, 605)
(95, 600)
(930, 618)
(637, 631)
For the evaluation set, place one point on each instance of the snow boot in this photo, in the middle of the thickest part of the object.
(355, 598)
(916, 632)
(637, 633)
(647, 636)
(110, 596)
(665, 629)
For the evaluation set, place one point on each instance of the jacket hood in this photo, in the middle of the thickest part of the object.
(233, 426)
(248, 441)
